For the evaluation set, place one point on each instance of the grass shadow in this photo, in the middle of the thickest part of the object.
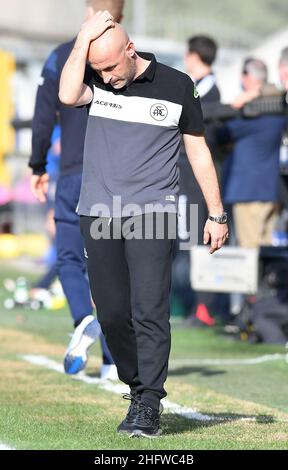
(204, 371)
(175, 424)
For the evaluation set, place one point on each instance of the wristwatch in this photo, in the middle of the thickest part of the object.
(220, 219)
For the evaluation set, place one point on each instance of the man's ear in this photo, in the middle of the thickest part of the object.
(130, 49)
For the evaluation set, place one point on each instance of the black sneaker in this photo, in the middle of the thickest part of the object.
(147, 423)
(127, 424)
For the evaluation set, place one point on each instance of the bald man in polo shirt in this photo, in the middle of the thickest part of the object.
(128, 203)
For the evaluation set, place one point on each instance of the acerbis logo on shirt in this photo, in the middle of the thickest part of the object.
(106, 103)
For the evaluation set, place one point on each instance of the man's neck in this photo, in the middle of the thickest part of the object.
(201, 71)
(203, 74)
(141, 66)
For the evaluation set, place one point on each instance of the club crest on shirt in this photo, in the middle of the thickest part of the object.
(159, 112)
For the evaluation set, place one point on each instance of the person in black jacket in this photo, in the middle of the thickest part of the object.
(70, 248)
(199, 58)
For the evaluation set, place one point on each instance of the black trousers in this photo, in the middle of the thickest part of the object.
(130, 281)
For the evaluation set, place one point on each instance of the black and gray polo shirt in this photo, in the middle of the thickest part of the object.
(133, 140)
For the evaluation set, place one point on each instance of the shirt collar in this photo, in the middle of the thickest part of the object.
(149, 73)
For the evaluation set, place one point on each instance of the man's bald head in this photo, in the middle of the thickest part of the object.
(110, 43)
(112, 56)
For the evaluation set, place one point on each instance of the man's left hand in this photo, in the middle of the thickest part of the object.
(216, 233)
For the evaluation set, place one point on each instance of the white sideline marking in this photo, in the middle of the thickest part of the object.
(227, 362)
(44, 361)
(5, 447)
(188, 413)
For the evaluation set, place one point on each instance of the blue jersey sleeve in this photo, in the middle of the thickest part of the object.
(45, 113)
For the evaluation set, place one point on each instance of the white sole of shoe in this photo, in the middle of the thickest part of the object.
(79, 342)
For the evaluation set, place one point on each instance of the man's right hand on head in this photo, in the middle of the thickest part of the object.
(97, 25)
(39, 186)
